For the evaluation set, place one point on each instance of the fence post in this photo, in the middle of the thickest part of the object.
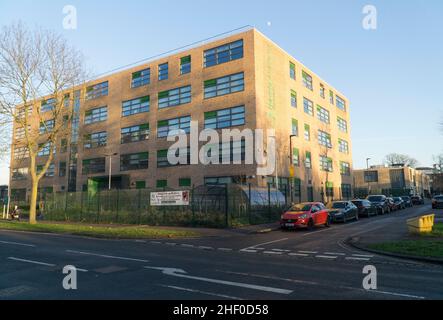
(226, 206)
(286, 195)
(269, 201)
(66, 203)
(118, 205)
(139, 206)
(98, 207)
(81, 205)
(249, 203)
(192, 205)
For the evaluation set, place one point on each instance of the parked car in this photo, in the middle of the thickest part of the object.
(399, 203)
(305, 215)
(417, 200)
(437, 202)
(392, 204)
(365, 208)
(380, 202)
(342, 211)
(408, 201)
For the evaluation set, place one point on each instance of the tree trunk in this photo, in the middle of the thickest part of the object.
(33, 203)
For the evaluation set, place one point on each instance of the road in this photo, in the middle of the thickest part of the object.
(232, 266)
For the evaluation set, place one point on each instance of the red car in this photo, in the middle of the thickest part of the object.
(305, 215)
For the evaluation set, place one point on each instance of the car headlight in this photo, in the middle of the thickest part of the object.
(303, 216)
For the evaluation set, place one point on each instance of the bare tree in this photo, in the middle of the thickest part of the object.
(38, 73)
(438, 163)
(395, 158)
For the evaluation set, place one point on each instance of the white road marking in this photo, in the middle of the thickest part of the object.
(182, 274)
(309, 233)
(205, 248)
(357, 259)
(203, 292)
(224, 249)
(170, 244)
(187, 245)
(140, 241)
(398, 294)
(309, 252)
(263, 244)
(32, 261)
(326, 257)
(81, 270)
(272, 252)
(335, 253)
(248, 251)
(281, 250)
(299, 254)
(271, 277)
(106, 256)
(363, 255)
(18, 244)
(156, 242)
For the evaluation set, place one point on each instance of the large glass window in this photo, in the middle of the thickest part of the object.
(293, 99)
(295, 127)
(96, 115)
(325, 164)
(135, 161)
(45, 150)
(20, 173)
(135, 106)
(345, 168)
(323, 114)
(341, 104)
(342, 125)
(21, 153)
(185, 65)
(174, 97)
(292, 70)
(308, 106)
(62, 169)
(224, 53)
(225, 118)
(371, 176)
(228, 152)
(296, 157)
(95, 140)
(46, 126)
(135, 133)
(97, 90)
(91, 166)
(163, 71)
(141, 78)
(346, 191)
(322, 91)
(343, 146)
(172, 126)
(50, 172)
(47, 105)
(307, 80)
(225, 85)
(324, 139)
(307, 132)
(308, 160)
(162, 157)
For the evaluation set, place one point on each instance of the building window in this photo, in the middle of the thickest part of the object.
(296, 157)
(20, 174)
(135, 133)
(322, 91)
(21, 153)
(46, 126)
(174, 97)
(95, 140)
(308, 160)
(324, 139)
(345, 168)
(225, 85)
(141, 78)
(222, 54)
(67, 100)
(96, 115)
(163, 71)
(346, 191)
(342, 125)
(371, 176)
(135, 106)
(135, 161)
(20, 132)
(91, 166)
(140, 185)
(232, 152)
(295, 127)
(24, 112)
(185, 65)
(308, 106)
(45, 150)
(323, 114)
(325, 164)
(50, 172)
(307, 80)
(162, 157)
(97, 90)
(341, 104)
(329, 189)
(47, 105)
(184, 182)
(343, 146)
(225, 118)
(62, 169)
(162, 183)
(293, 99)
(331, 97)
(63, 146)
(307, 132)
(292, 70)
(173, 126)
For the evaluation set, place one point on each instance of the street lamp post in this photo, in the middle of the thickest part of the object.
(291, 165)
(367, 168)
(110, 168)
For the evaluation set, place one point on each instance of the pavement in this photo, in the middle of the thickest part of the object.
(229, 264)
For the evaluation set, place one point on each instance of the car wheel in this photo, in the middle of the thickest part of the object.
(356, 217)
(311, 225)
(328, 222)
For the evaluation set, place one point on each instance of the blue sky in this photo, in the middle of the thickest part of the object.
(392, 76)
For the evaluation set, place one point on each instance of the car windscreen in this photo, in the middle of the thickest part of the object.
(375, 198)
(397, 199)
(301, 207)
(438, 198)
(338, 205)
(357, 203)
(405, 198)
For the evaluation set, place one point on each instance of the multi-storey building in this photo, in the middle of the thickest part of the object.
(121, 122)
(394, 180)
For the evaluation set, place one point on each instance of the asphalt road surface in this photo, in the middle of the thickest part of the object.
(233, 266)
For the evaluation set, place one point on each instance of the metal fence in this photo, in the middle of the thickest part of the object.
(215, 206)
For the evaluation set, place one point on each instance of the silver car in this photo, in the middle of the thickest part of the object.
(437, 202)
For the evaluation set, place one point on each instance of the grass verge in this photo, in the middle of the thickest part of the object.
(430, 245)
(126, 232)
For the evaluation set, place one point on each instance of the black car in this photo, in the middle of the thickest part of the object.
(399, 203)
(408, 201)
(437, 202)
(365, 208)
(342, 211)
(381, 203)
(417, 200)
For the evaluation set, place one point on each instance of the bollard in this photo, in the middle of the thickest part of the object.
(419, 225)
